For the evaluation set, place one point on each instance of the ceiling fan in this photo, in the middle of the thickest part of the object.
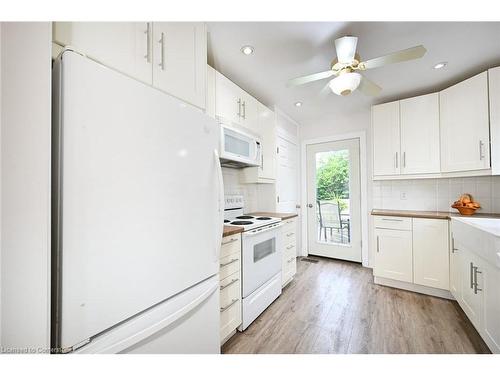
(347, 64)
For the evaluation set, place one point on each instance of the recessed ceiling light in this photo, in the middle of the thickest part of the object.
(440, 65)
(247, 50)
(298, 104)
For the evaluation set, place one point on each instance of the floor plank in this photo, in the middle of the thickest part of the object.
(334, 307)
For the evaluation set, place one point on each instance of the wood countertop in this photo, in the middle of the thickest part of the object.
(281, 215)
(427, 214)
(229, 231)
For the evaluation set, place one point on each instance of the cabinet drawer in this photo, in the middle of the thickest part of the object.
(290, 225)
(230, 289)
(392, 222)
(289, 238)
(230, 319)
(229, 265)
(230, 245)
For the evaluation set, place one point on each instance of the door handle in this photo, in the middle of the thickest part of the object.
(310, 205)
(162, 51)
(147, 56)
(239, 107)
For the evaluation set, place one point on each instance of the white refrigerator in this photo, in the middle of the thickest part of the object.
(137, 216)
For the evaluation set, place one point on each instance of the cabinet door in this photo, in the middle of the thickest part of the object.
(430, 253)
(420, 134)
(491, 306)
(210, 106)
(494, 96)
(267, 130)
(386, 142)
(124, 46)
(250, 109)
(455, 271)
(228, 103)
(471, 299)
(393, 256)
(180, 60)
(465, 125)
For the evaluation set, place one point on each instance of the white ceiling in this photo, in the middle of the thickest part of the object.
(285, 50)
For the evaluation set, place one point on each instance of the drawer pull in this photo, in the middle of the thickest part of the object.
(392, 219)
(222, 287)
(289, 247)
(291, 260)
(233, 301)
(290, 234)
(230, 241)
(230, 262)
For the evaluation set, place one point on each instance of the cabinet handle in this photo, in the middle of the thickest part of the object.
(233, 301)
(230, 262)
(404, 159)
(148, 42)
(289, 247)
(471, 275)
(230, 241)
(453, 248)
(476, 289)
(239, 107)
(162, 52)
(290, 234)
(222, 287)
(244, 105)
(378, 245)
(398, 220)
(481, 155)
(396, 160)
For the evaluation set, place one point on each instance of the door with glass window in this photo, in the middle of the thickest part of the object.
(334, 200)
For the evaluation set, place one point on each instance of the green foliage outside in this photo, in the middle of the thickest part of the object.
(332, 177)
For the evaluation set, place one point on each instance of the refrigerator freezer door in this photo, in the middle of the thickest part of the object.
(137, 202)
(186, 323)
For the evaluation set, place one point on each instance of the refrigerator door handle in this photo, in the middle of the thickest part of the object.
(220, 217)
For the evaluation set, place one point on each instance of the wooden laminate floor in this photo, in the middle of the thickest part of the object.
(334, 307)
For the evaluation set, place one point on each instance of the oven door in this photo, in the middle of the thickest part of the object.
(261, 256)
(239, 148)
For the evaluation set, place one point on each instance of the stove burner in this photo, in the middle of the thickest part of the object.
(241, 222)
(244, 217)
(226, 221)
(264, 218)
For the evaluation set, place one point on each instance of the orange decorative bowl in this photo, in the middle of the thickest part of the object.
(466, 211)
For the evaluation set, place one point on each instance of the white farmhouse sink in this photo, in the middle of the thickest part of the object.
(489, 225)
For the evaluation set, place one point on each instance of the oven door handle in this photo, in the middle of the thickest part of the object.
(256, 232)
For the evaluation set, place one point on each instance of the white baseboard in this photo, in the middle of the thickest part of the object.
(413, 287)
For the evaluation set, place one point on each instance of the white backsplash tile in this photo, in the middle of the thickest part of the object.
(436, 194)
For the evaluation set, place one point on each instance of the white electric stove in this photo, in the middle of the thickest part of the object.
(261, 257)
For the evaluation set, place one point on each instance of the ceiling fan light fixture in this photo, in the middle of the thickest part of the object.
(345, 83)
(440, 65)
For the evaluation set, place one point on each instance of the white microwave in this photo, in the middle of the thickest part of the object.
(239, 148)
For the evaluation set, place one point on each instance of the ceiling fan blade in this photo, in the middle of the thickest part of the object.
(368, 87)
(403, 55)
(346, 49)
(310, 78)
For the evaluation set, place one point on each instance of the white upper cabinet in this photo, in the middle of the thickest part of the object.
(420, 134)
(494, 96)
(233, 105)
(465, 125)
(125, 46)
(180, 60)
(386, 141)
(171, 56)
(266, 128)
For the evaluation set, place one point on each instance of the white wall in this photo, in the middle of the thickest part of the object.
(25, 184)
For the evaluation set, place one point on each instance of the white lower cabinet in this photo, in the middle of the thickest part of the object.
(289, 264)
(430, 253)
(414, 252)
(230, 286)
(475, 280)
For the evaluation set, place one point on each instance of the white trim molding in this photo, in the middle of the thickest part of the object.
(361, 136)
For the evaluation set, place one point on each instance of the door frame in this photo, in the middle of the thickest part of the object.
(361, 137)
